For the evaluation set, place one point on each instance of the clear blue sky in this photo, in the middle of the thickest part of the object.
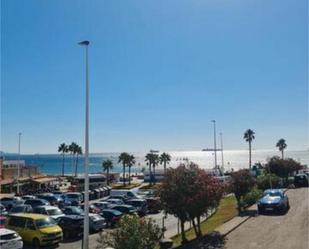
(159, 72)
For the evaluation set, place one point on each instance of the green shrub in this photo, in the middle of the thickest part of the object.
(263, 181)
(252, 197)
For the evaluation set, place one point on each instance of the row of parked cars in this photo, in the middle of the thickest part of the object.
(48, 218)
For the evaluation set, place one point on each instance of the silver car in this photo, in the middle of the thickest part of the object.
(9, 239)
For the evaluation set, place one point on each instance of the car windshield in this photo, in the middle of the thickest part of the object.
(45, 222)
(76, 210)
(55, 211)
(17, 209)
(273, 194)
(72, 195)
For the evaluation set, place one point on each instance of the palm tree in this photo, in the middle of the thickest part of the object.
(78, 151)
(131, 162)
(107, 165)
(281, 144)
(152, 160)
(165, 159)
(72, 150)
(124, 158)
(63, 148)
(249, 136)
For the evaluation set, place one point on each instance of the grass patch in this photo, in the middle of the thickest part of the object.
(226, 211)
(127, 186)
(153, 186)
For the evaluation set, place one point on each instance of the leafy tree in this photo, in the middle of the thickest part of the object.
(124, 159)
(241, 184)
(63, 149)
(249, 137)
(263, 181)
(283, 167)
(165, 159)
(281, 144)
(133, 233)
(188, 192)
(107, 165)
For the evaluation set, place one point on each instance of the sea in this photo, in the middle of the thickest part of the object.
(232, 159)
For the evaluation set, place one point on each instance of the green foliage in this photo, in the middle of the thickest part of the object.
(252, 197)
(282, 167)
(188, 192)
(263, 181)
(133, 233)
(241, 184)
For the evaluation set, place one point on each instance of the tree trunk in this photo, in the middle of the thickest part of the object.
(282, 153)
(129, 175)
(150, 174)
(62, 164)
(154, 173)
(164, 169)
(76, 163)
(107, 176)
(72, 164)
(249, 155)
(123, 175)
(183, 234)
(238, 206)
(199, 226)
(195, 229)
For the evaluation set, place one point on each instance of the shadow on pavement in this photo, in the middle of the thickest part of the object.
(251, 213)
(212, 240)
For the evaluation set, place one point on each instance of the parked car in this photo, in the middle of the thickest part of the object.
(111, 217)
(92, 209)
(36, 202)
(125, 209)
(37, 229)
(2, 222)
(51, 211)
(126, 193)
(9, 239)
(51, 198)
(274, 200)
(73, 210)
(101, 205)
(3, 211)
(96, 222)
(301, 180)
(24, 208)
(115, 201)
(153, 204)
(9, 202)
(72, 225)
(73, 198)
(28, 197)
(140, 205)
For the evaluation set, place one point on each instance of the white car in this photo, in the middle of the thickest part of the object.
(51, 211)
(9, 239)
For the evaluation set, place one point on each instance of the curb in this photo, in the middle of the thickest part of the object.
(235, 227)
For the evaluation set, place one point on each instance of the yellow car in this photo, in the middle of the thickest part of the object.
(37, 229)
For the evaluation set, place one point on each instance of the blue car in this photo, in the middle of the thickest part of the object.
(273, 200)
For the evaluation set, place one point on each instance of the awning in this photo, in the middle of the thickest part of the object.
(45, 180)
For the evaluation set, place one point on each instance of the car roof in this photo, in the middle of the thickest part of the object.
(73, 217)
(112, 211)
(29, 215)
(273, 191)
(47, 207)
(5, 231)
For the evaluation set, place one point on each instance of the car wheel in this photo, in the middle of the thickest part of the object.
(36, 243)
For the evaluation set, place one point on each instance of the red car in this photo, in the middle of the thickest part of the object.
(2, 221)
(92, 209)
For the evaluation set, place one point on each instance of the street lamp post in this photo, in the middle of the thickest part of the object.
(221, 140)
(18, 165)
(86, 200)
(215, 142)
